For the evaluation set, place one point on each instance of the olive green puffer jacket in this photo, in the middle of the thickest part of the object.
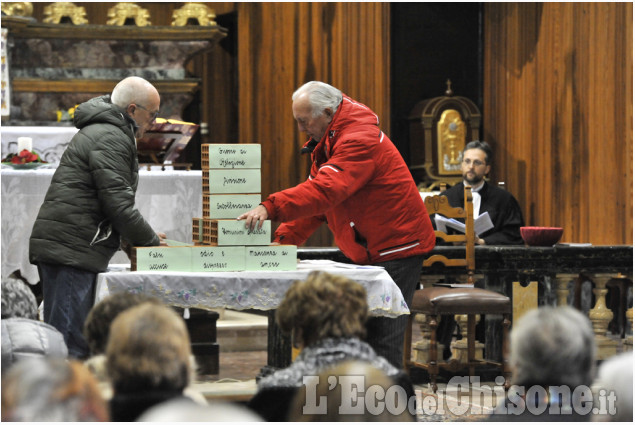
(91, 200)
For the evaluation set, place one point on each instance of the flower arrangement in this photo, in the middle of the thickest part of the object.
(23, 157)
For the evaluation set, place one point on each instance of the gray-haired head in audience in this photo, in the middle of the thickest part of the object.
(615, 378)
(553, 346)
(18, 300)
(51, 390)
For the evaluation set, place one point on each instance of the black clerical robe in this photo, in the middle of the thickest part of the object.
(503, 210)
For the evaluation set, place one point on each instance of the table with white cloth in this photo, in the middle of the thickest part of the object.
(253, 290)
(247, 290)
(167, 200)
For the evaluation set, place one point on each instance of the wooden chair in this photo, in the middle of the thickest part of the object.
(470, 301)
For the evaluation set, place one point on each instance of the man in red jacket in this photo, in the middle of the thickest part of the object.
(360, 185)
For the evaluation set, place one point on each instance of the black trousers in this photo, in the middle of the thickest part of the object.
(384, 334)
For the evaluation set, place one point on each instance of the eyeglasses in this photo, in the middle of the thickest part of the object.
(154, 114)
(476, 162)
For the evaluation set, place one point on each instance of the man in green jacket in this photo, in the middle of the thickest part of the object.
(89, 209)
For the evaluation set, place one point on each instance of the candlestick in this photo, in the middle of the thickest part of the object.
(25, 143)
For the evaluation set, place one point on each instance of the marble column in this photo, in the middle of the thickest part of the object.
(422, 348)
(459, 348)
(562, 282)
(600, 317)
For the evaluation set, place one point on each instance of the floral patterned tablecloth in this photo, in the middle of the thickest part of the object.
(261, 290)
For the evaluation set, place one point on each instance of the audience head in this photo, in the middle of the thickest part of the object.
(615, 375)
(553, 346)
(148, 349)
(337, 392)
(184, 410)
(51, 390)
(101, 316)
(18, 300)
(323, 306)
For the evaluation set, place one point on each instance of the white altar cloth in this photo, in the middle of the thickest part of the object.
(167, 200)
(260, 290)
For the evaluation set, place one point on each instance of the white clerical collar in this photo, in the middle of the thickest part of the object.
(476, 188)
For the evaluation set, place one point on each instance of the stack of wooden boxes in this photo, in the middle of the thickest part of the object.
(231, 186)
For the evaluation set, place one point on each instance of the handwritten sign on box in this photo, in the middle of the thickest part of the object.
(273, 257)
(231, 206)
(230, 156)
(218, 258)
(233, 232)
(164, 258)
(234, 181)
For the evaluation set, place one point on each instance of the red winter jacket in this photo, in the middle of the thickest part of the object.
(360, 185)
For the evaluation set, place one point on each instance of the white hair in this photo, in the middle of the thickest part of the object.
(616, 375)
(131, 90)
(553, 346)
(320, 95)
(185, 410)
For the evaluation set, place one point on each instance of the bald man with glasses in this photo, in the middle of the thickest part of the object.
(89, 210)
(502, 207)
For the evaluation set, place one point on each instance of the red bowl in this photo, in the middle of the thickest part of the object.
(541, 236)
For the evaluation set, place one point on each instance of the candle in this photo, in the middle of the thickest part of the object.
(25, 143)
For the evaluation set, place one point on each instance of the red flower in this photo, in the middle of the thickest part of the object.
(25, 157)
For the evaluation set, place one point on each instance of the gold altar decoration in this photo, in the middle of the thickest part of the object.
(22, 8)
(203, 15)
(451, 131)
(55, 12)
(440, 127)
(122, 12)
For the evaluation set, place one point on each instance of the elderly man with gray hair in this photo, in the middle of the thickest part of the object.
(360, 186)
(89, 208)
(553, 362)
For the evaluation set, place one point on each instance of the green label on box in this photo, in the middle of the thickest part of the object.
(164, 258)
(218, 259)
(231, 206)
(234, 156)
(234, 181)
(233, 232)
(273, 257)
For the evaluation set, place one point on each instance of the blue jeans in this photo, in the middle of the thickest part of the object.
(384, 334)
(69, 294)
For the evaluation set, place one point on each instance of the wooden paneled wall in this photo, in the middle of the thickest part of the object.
(558, 98)
(283, 45)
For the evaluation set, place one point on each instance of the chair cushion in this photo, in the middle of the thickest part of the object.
(441, 300)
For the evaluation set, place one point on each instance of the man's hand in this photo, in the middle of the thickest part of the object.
(256, 216)
(480, 241)
(127, 248)
(162, 237)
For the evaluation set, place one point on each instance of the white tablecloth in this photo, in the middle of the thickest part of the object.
(167, 199)
(48, 142)
(261, 290)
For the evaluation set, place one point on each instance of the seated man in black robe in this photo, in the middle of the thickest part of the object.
(503, 210)
(502, 207)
